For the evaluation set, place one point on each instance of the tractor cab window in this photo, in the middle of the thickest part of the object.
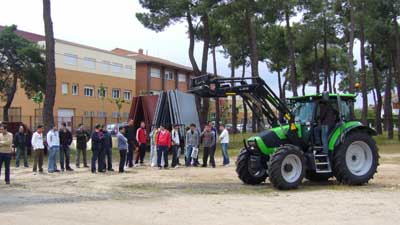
(303, 111)
(346, 113)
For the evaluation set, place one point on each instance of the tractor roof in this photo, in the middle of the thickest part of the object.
(318, 96)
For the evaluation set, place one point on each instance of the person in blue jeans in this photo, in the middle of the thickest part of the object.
(224, 139)
(6, 141)
(192, 141)
(53, 142)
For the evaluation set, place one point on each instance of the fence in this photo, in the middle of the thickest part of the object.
(72, 122)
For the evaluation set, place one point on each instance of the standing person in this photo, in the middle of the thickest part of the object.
(130, 134)
(97, 145)
(122, 147)
(107, 150)
(6, 141)
(175, 146)
(38, 149)
(163, 142)
(153, 147)
(65, 152)
(214, 130)
(141, 139)
(208, 140)
(192, 141)
(53, 143)
(21, 144)
(224, 139)
(82, 137)
(328, 117)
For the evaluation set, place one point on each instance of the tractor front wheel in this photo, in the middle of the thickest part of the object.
(356, 159)
(287, 167)
(249, 172)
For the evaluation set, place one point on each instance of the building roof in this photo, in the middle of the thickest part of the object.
(28, 35)
(142, 58)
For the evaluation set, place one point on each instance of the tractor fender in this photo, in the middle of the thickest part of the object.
(339, 134)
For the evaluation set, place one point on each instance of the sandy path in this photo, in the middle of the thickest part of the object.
(194, 196)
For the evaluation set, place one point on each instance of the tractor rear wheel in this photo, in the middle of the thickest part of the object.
(246, 172)
(356, 159)
(287, 167)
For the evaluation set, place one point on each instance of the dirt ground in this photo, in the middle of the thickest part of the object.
(192, 196)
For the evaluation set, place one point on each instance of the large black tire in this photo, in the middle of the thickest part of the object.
(311, 175)
(348, 171)
(280, 169)
(244, 171)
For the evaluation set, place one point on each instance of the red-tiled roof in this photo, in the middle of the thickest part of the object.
(142, 58)
(27, 35)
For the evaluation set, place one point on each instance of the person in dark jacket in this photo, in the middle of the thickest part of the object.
(21, 142)
(130, 134)
(97, 145)
(65, 152)
(328, 118)
(107, 151)
(82, 137)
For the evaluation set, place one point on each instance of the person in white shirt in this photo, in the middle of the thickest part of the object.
(224, 139)
(53, 142)
(175, 146)
(38, 149)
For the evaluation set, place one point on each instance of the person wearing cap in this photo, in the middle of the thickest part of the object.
(97, 145)
(163, 141)
(6, 141)
(175, 146)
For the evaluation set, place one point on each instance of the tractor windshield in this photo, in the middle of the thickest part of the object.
(303, 111)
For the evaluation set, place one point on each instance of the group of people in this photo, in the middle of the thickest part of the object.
(132, 144)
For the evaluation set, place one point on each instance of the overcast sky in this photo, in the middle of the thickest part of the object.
(108, 24)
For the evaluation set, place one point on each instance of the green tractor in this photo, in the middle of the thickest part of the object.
(293, 148)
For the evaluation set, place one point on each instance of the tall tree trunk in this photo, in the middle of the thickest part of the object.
(334, 81)
(292, 60)
(245, 114)
(217, 105)
(326, 66)
(303, 88)
(364, 112)
(191, 44)
(48, 107)
(396, 28)
(280, 85)
(350, 56)
(234, 113)
(253, 55)
(388, 115)
(317, 80)
(10, 97)
(377, 85)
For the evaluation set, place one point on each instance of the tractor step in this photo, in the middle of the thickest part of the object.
(322, 163)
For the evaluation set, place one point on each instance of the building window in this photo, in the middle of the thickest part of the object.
(105, 66)
(75, 89)
(102, 114)
(70, 59)
(64, 88)
(88, 114)
(168, 75)
(116, 68)
(127, 95)
(115, 93)
(102, 93)
(89, 63)
(154, 72)
(128, 69)
(181, 77)
(115, 114)
(89, 91)
(125, 115)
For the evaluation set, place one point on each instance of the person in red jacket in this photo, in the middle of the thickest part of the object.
(141, 138)
(163, 142)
